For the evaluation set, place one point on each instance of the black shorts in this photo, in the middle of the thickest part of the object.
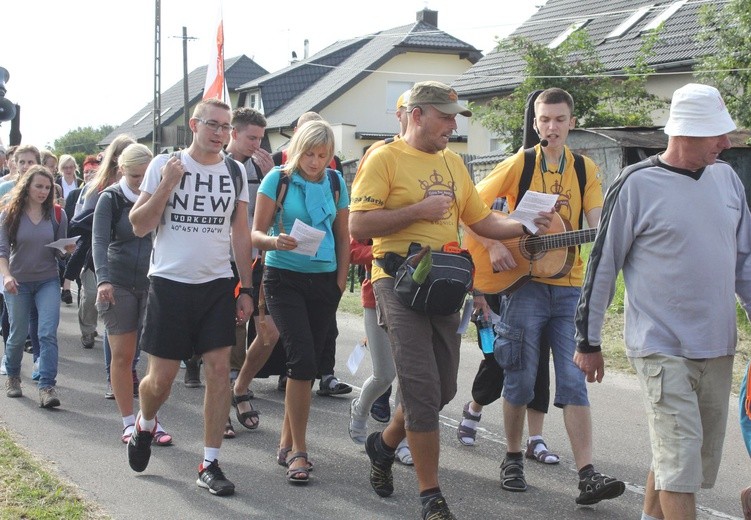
(184, 319)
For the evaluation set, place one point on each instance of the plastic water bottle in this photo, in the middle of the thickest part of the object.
(487, 335)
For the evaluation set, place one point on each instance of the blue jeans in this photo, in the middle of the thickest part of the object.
(526, 314)
(46, 295)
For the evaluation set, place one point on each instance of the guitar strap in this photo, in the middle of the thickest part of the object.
(530, 155)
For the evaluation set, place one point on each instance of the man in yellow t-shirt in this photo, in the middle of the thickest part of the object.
(415, 190)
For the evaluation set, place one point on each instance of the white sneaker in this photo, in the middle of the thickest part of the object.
(3, 371)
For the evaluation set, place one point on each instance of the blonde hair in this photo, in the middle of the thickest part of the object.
(308, 136)
(65, 159)
(107, 174)
(134, 155)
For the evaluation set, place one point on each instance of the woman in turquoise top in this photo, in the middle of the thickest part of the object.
(302, 291)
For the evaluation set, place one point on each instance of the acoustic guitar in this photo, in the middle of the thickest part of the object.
(551, 255)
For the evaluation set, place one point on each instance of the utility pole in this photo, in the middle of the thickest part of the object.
(186, 117)
(157, 129)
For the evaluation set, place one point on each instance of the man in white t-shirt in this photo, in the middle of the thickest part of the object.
(189, 199)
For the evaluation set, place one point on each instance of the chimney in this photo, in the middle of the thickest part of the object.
(306, 46)
(428, 16)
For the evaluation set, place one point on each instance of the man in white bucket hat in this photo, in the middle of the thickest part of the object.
(679, 227)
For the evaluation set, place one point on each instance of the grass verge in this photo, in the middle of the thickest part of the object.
(29, 491)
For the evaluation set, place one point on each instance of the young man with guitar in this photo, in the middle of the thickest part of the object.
(542, 298)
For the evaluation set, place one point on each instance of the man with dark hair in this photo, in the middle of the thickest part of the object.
(248, 130)
(544, 307)
(665, 221)
(190, 199)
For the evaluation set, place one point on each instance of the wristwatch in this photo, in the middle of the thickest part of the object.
(246, 290)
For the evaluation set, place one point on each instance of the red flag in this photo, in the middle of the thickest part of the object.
(216, 86)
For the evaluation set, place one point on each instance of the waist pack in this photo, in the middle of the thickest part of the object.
(443, 290)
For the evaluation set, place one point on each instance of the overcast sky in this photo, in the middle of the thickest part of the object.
(91, 62)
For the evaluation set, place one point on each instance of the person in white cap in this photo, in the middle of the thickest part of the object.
(679, 227)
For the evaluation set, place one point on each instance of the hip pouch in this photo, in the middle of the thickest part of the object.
(434, 282)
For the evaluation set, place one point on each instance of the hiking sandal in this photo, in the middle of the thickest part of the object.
(251, 415)
(281, 458)
(467, 434)
(298, 475)
(512, 475)
(596, 487)
(544, 455)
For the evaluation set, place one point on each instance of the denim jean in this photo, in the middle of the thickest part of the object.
(532, 312)
(46, 295)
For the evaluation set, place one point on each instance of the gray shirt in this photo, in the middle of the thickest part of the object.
(683, 242)
(29, 258)
(122, 259)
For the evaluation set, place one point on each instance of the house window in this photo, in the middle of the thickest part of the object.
(629, 22)
(148, 113)
(253, 100)
(663, 16)
(571, 29)
(394, 89)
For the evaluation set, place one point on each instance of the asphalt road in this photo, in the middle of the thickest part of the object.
(81, 441)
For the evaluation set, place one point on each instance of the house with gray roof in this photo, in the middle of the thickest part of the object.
(140, 126)
(354, 84)
(617, 28)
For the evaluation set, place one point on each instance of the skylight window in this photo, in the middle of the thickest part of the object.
(568, 32)
(663, 16)
(629, 22)
(148, 113)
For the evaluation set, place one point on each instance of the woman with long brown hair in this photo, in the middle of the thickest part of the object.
(28, 222)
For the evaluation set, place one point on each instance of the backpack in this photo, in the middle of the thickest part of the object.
(283, 184)
(119, 202)
(56, 221)
(529, 169)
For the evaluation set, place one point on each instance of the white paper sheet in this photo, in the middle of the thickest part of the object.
(357, 355)
(60, 244)
(531, 205)
(308, 238)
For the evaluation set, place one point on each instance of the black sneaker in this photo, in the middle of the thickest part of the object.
(66, 297)
(213, 479)
(381, 477)
(596, 486)
(139, 448)
(437, 509)
(193, 373)
(512, 475)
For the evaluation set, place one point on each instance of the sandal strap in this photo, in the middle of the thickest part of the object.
(240, 398)
(298, 455)
(467, 414)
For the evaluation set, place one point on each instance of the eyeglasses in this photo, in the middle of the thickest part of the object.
(214, 125)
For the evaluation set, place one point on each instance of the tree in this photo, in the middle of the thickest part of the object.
(82, 140)
(729, 67)
(600, 99)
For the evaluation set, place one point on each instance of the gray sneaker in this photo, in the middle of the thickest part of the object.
(13, 386)
(48, 397)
